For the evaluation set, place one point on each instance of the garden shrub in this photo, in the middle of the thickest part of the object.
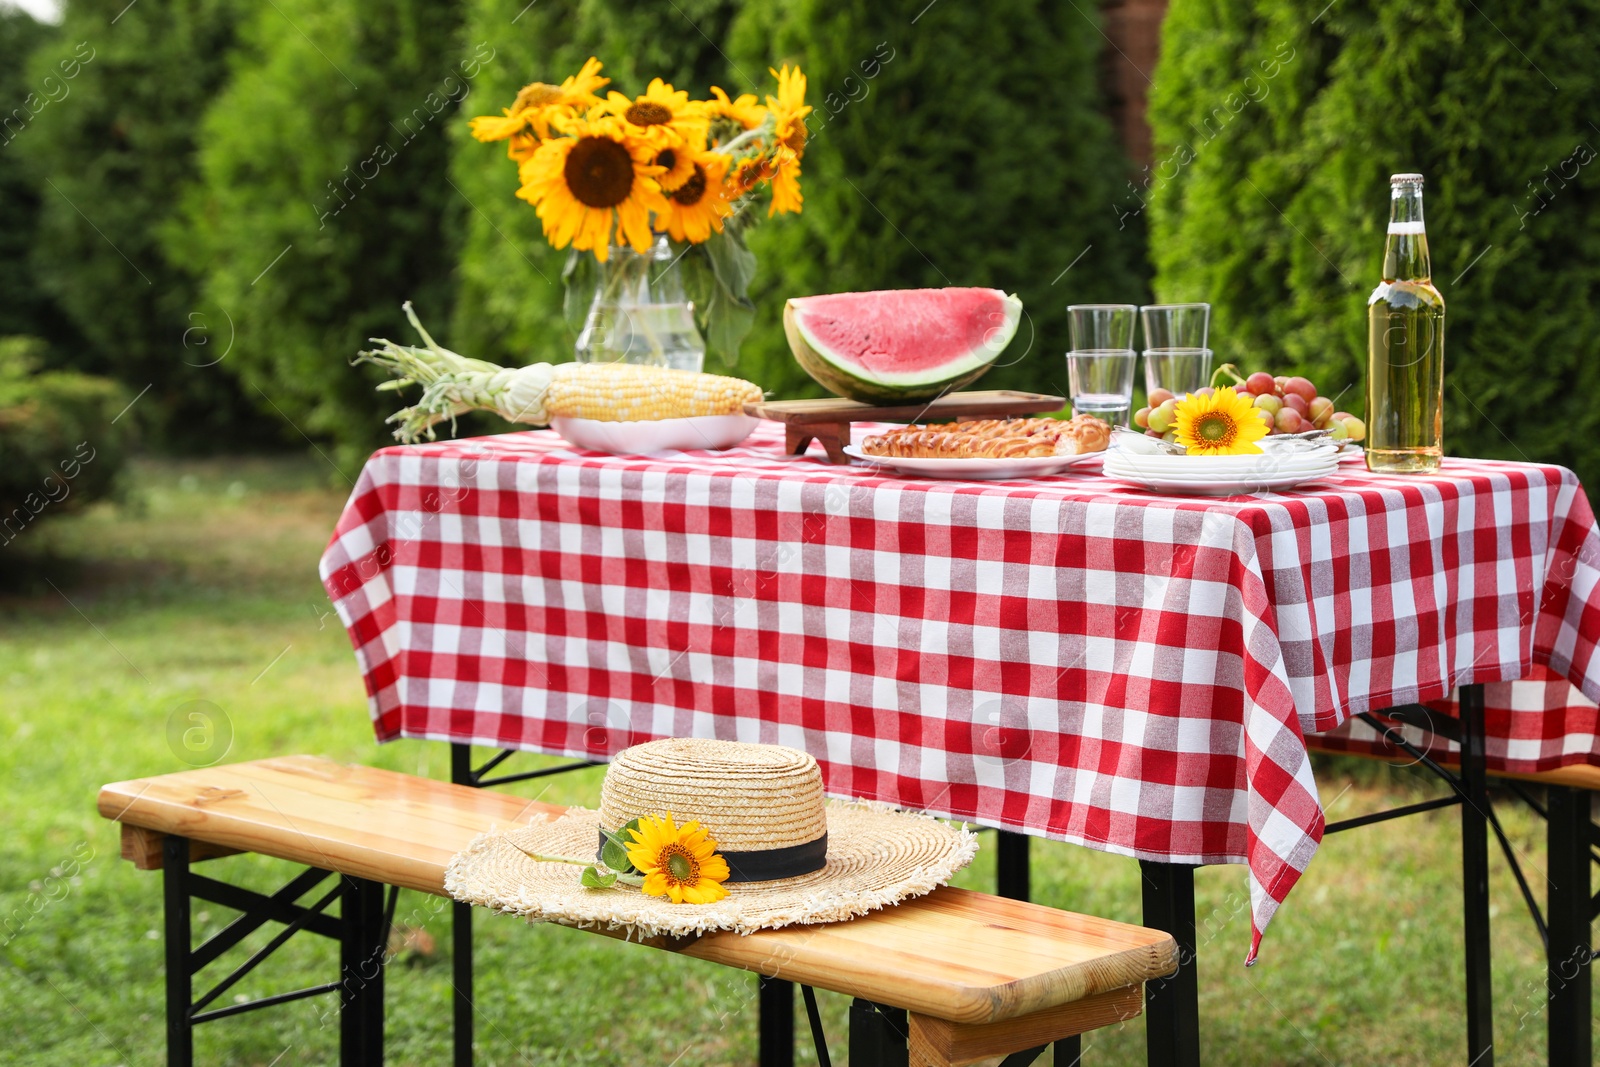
(1275, 211)
(974, 141)
(121, 92)
(325, 202)
(61, 442)
(953, 144)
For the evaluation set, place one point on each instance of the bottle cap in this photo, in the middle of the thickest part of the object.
(1398, 179)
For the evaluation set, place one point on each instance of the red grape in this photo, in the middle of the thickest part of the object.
(1289, 421)
(1160, 396)
(1279, 383)
(1259, 383)
(1321, 411)
(1297, 402)
(1269, 403)
(1141, 418)
(1303, 386)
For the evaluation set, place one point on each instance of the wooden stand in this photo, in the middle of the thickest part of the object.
(828, 421)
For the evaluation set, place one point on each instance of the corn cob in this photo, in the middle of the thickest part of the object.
(611, 392)
(621, 392)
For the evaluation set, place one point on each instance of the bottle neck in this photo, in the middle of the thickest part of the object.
(1405, 256)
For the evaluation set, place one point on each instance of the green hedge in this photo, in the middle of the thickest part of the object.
(1275, 210)
(111, 151)
(966, 149)
(324, 202)
(954, 144)
(61, 441)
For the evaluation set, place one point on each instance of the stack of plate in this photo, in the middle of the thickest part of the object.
(1221, 475)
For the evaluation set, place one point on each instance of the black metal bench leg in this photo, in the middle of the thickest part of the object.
(461, 934)
(1172, 1005)
(361, 960)
(1069, 1051)
(878, 1035)
(1475, 880)
(1568, 975)
(775, 1024)
(1011, 866)
(461, 967)
(180, 993)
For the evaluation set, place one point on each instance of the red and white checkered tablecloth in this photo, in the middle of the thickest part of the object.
(1070, 657)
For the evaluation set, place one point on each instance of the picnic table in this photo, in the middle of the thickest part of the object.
(1070, 657)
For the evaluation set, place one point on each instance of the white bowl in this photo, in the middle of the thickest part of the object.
(702, 432)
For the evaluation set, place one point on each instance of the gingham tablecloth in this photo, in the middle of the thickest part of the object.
(1070, 657)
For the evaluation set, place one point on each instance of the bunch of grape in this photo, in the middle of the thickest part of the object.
(1286, 405)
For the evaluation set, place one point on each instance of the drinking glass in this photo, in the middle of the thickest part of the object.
(1177, 370)
(1102, 327)
(1176, 325)
(1102, 383)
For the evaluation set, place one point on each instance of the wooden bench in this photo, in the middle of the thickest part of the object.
(970, 975)
(1564, 925)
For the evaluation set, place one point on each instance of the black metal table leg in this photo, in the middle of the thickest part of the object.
(1475, 880)
(1172, 1005)
(878, 1035)
(361, 959)
(1011, 866)
(180, 992)
(1568, 978)
(1069, 1051)
(775, 1024)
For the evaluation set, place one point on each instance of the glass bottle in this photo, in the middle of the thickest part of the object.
(1405, 345)
(640, 313)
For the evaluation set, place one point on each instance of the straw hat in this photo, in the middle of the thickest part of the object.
(792, 857)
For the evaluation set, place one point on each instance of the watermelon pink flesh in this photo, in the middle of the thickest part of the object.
(909, 336)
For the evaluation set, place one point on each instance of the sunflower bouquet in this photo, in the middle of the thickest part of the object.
(617, 172)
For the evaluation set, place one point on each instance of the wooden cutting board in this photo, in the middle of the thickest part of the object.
(828, 421)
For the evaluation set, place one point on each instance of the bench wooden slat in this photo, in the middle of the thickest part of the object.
(956, 955)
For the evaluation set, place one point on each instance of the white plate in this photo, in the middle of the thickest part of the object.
(660, 435)
(982, 470)
(1123, 470)
(1253, 466)
(1220, 486)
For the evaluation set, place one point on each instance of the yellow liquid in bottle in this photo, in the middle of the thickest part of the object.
(1405, 353)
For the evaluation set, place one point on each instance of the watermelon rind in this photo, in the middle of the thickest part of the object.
(845, 380)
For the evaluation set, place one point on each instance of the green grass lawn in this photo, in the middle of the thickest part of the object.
(201, 585)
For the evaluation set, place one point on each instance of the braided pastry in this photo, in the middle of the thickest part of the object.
(992, 439)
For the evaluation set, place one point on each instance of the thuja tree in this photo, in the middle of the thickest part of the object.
(509, 306)
(953, 144)
(1276, 137)
(325, 202)
(113, 102)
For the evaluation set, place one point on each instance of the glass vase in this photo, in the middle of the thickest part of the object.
(640, 314)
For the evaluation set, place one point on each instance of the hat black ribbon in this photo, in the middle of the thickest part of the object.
(767, 864)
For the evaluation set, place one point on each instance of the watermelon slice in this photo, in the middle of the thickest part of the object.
(901, 345)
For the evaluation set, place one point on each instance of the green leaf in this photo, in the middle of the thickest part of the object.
(593, 879)
(728, 322)
(614, 853)
(734, 264)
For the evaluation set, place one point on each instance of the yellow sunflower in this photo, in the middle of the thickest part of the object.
(729, 118)
(677, 163)
(527, 120)
(661, 110)
(786, 198)
(789, 109)
(698, 206)
(596, 176)
(678, 862)
(1223, 424)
